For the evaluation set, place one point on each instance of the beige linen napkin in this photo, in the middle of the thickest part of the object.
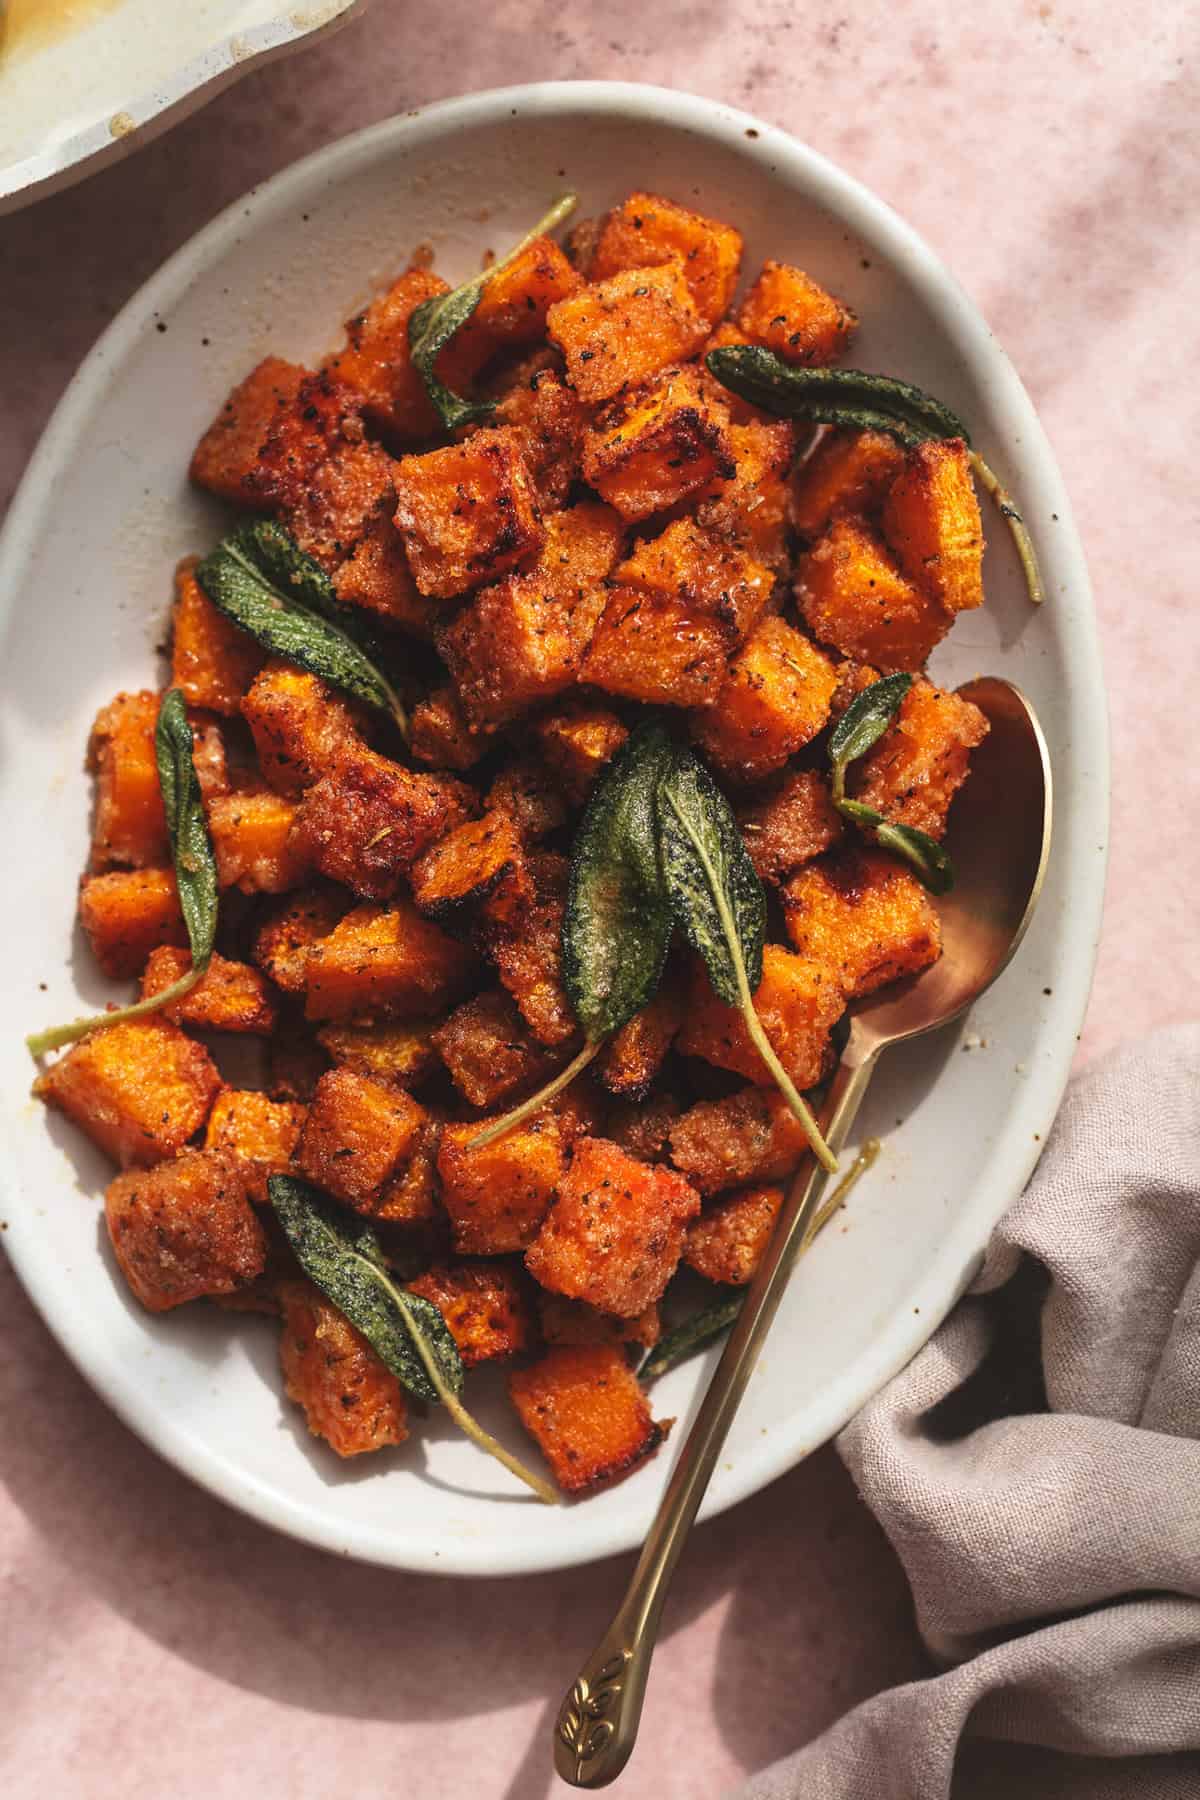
(1037, 1471)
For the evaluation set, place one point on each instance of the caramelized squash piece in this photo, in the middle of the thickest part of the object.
(774, 701)
(126, 914)
(481, 860)
(798, 1002)
(212, 662)
(575, 1322)
(848, 472)
(350, 1398)
(130, 826)
(400, 1053)
(139, 1090)
(747, 1137)
(615, 1233)
(301, 726)
(257, 1133)
(727, 1241)
(285, 938)
(705, 573)
(229, 996)
(226, 460)
(653, 446)
(384, 962)
(932, 524)
(787, 312)
(184, 1229)
(651, 648)
(586, 1413)
(853, 596)
(367, 821)
(485, 1305)
(440, 736)
(550, 418)
(497, 1196)
(467, 513)
(527, 790)
(789, 824)
(255, 842)
(751, 508)
(620, 331)
(489, 1051)
(646, 229)
(921, 761)
(634, 1054)
(864, 916)
(411, 1199)
(376, 364)
(356, 1135)
(578, 741)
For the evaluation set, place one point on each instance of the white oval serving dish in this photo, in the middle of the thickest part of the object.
(85, 578)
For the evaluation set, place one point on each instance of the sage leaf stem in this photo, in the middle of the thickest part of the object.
(924, 855)
(498, 1128)
(435, 321)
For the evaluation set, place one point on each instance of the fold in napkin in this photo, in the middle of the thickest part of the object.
(1037, 1471)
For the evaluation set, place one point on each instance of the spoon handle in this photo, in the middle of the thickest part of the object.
(598, 1721)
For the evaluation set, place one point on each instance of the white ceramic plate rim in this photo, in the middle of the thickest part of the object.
(1033, 1112)
(144, 115)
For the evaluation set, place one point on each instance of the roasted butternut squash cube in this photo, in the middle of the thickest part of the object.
(578, 740)
(511, 311)
(367, 821)
(550, 418)
(790, 824)
(854, 678)
(615, 1233)
(646, 229)
(744, 1139)
(527, 953)
(184, 1229)
(618, 332)
(346, 493)
(376, 576)
(212, 662)
(440, 736)
(284, 939)
(848, 472)
(130, 826)
(376, 362)
(398, 1052)
(727, 1241)
(634, 1054)
(864, 916)
(583, 1408)
(411, 1199)
(526, 788)
(497, 1196)
(654, 445)
(775, 700)
(703, 572)
(481, 860)
(259, 1134)
(751, 508)
(139, 1090)
(521, 641)
(208, 756)
(225, 461)
(932, 524)
(356, 1135)
(467, 513)
(488, 1050)
(126, 914)
(853, 596)
(655, 649)
(787, 312)
(350, 1398)
(384, 962)
(301, 727)
(642, 1126)
(229, 996)
(921, 761)
(575, 1322)
(580, 1110)
(485, 1305)
(798, 1002)
(255, 842)
(322, 419)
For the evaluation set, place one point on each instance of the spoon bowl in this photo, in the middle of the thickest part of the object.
(999, 843)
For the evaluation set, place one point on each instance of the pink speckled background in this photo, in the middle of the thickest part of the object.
(152, 1642)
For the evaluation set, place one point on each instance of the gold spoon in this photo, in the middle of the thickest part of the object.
(999, 839)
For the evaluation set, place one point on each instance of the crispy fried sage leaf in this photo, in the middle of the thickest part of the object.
(261, 579)
(851, 397)
(924, 855)
(195, 875)
(436, 320)
(718, 900)
(187, 827)
(341, 1254)
(863, 723)
(834, 396)
(618, 921)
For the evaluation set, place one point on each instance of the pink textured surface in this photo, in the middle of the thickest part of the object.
(152, 1641)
